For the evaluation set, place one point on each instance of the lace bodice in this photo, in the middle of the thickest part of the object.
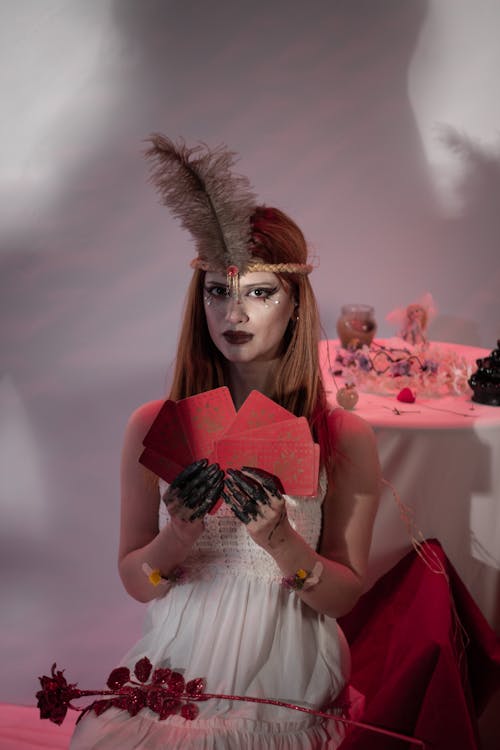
(225, 547)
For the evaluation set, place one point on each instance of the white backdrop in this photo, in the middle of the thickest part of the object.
(337, 108)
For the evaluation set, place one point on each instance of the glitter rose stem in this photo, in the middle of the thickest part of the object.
(314, 712)
(82, 693)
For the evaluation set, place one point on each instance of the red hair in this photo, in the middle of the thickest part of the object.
(297, 384)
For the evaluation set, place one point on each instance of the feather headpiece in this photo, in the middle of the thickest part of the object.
(212, 203)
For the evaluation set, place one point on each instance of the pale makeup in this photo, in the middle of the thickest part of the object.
(250, 328)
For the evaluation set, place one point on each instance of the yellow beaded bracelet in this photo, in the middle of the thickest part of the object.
(177, 575)
(303, 579)
(154, 576)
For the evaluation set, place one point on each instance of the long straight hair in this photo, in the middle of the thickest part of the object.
(298, 386)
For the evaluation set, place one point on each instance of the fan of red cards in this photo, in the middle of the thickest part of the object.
(261, 434)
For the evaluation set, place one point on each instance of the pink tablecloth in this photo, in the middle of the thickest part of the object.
(442, 458)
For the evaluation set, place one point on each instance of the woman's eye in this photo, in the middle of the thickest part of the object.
(218, 291)
(262, 293)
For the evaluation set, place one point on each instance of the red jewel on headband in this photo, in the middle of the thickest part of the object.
(232, 270)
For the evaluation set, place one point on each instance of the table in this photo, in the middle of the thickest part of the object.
(441, 457)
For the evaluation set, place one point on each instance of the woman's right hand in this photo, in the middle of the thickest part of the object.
(191, 495)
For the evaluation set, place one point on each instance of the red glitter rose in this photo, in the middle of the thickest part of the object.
(54, 698)
(166, 693)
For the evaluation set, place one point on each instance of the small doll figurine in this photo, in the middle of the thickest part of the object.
(413, 320)
(415, 325)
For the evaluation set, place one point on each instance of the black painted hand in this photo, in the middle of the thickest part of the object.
(248, 491)
(194, 491)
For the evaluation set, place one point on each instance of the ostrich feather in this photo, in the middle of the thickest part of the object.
(211, 202)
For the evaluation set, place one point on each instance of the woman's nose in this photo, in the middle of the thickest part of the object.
(235, 312)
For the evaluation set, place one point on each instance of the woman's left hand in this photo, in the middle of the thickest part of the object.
(255, 498)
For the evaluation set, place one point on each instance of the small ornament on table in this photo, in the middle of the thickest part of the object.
(406, 396)
(356, 326)
(485, 382)
(347, 397)
(413, 320)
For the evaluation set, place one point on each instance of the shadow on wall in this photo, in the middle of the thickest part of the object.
(58, 547)
(475, 232)
(454, 329)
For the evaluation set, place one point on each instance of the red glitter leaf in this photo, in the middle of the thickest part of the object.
(156, 699)
(132, 702)
(99, 707)
(189, 711)
(142, 669)
(195, 687)
(136, 702)
(169, 707)
(127, 689)
(160, 676)
(118, 678)
(120, 702)
(176, 684)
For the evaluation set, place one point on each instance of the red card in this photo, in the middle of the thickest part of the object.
(186, 430)
(296, 463)
(256, 411)
(294, 428)
(261, 434)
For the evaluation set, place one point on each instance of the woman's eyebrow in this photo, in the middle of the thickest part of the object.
(253, 285)
(259, 284)
(215, 282)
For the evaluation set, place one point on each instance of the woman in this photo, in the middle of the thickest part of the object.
(230, 619)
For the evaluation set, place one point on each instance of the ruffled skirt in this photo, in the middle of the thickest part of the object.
(246, 637)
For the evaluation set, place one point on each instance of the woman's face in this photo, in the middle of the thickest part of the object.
(250, 328)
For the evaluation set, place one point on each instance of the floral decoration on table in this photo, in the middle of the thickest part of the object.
(425, 370)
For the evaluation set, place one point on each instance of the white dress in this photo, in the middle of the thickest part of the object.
(233, 623)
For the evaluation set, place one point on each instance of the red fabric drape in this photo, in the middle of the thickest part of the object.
(423, 655)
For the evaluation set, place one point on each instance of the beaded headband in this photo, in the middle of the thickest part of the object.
(213, 204)
(303, 268)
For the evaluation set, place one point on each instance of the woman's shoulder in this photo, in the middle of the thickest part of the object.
(142, 418)
(348, 430)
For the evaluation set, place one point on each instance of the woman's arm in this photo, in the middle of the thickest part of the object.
(349, 511)
(140, 540)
